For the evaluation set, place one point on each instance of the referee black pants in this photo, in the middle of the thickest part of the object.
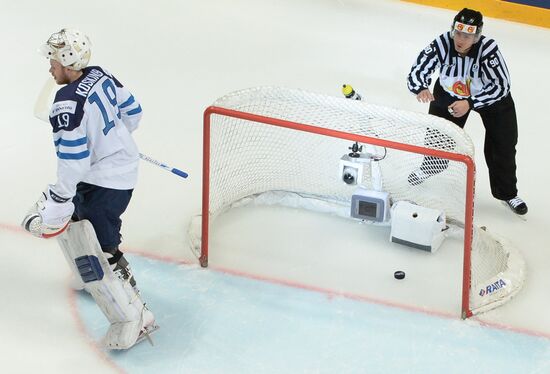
(501, 136)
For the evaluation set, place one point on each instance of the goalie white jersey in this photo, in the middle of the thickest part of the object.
(92, 120)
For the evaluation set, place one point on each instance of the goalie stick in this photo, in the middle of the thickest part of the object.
(42, 112)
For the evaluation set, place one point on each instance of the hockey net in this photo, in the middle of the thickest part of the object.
(284, 145)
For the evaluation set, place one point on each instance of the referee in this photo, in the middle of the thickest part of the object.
(472, 76)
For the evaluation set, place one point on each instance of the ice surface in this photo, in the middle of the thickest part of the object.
(177, 58)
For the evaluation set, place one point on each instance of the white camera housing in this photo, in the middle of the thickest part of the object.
(351, 169)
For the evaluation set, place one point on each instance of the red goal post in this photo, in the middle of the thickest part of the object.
(240, 125)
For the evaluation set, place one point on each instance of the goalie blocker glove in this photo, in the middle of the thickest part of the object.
(49, 216)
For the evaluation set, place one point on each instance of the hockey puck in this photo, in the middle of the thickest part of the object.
(399, 274)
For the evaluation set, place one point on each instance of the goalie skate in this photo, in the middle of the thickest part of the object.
(146, 333)
(128, 329)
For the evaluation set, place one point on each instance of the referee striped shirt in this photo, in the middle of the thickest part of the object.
(481, 76)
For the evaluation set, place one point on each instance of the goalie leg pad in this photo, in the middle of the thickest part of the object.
(118, 300)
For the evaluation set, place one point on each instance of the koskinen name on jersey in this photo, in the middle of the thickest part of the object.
(499, 284)
(87, 83)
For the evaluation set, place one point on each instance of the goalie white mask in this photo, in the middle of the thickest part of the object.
(71, 48)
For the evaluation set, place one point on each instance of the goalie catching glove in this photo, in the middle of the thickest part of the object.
(49, 216)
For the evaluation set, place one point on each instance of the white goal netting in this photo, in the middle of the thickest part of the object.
(299, 158)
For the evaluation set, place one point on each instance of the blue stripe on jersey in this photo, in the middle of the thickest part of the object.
(71, 143)
(128, 102)
(73, 156)
(134, 111)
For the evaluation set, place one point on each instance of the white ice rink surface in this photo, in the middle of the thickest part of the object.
(177, 58)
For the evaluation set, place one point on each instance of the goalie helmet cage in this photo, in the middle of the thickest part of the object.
(277, 139)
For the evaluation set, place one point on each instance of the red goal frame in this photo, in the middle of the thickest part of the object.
(467, 160)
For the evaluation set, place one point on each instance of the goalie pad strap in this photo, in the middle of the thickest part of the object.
(116, 257)
(89, 268)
